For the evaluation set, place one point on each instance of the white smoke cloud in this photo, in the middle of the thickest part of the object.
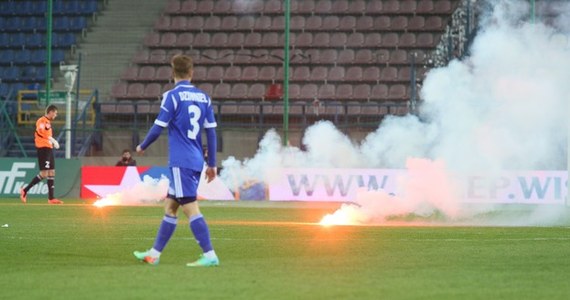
(503, 108)
(148, 191)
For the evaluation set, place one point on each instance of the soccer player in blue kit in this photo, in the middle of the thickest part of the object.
(184, 110)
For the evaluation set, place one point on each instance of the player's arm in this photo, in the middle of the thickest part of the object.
(151, 136)
(166, 109)
(210, 128)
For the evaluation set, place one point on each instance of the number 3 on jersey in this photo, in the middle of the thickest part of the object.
(194, 112)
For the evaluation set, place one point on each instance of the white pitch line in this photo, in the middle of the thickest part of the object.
(537, 239)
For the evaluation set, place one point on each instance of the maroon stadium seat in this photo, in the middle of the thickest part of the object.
(232, 73)
(319, 73)
(135, 90)
(361, 92)
(250, 73)
(323, 6)
(314, 22)
(146, 73)
(153, 91)
(344, 92)
(331, 23)
(379, 91)
(178, 23)
(131, 73)
(301, 73)
(163, 73)
(172, 7)
(184, 40)
(119, 90)
(256, 91)
(188, 7)
(239, 91)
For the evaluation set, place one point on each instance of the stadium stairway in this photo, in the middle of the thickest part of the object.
(113, 40)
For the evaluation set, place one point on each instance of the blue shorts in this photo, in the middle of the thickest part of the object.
(183, 185)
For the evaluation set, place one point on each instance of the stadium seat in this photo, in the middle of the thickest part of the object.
(373, 40)
(425, 40)
(152, 39)
(397, 91)
(131, 73)
(321, 39)
(354, 73)
(195, 23)
(371, 73)
(262, 23)
(256, 91)
(267, 73)
(338, 40)
(319, 73)
(309, 91)
(331, 23)
(390, 6)
(388, 74)
(359, 7)
(232, 73)
(399, 56)
(157, 56)
(201, 39)
(339, 7)
(207, 87)
(303, 7)
(347, 23)
(253, 39)
(344, 92)
(271, 39)
(229, 23)
(303, 39)
(361, 92)
(222, 91)
(407, 7)
(301, 73)
(294, 91)
(153, 91)
(442, 6)
(215, 73)
(326, 92)
(248, 108)
(187, 7)
(250, 73)
(168, 40)
(275, 91)
(390, 39)
(379, 92)
(407, 40)
(178, 23)
(273, 7)
(212, 23)
(313, 22)
(297, 22)
(323, 7)
(146, 73)
(163, 73)
(119, 90)
(184, 40)
(424, 7)
(433, 23)
(141, 57)
(236, 40)
(345, 56)
(355, 39)
(222, 7)
(416, 23)
(200, 73)
(374, 7)
(399, 23)
(363, 56)
(23, 56)
(239, 91)
(205, 7)
(135, 90)
(336, 73)
(364, 23)
(246, 23)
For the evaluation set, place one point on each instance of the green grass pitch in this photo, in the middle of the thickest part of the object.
(271, 252)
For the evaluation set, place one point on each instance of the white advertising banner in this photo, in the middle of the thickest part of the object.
(341, 185)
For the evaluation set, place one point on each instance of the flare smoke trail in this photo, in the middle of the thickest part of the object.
(148, 191)
(503, 108)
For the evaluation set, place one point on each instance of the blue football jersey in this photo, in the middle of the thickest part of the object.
(185, 110)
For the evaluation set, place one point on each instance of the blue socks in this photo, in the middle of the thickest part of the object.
(201, 233)
(164, 232)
